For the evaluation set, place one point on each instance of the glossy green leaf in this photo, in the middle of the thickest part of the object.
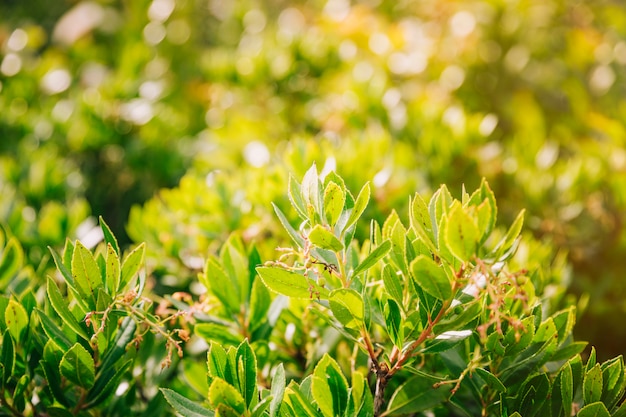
(247, 372)
(295, 196)
(106, 383)
(260, 302)
(613, 381)
(60, 306)
(117, 349)
(217, 361)
(393, 284)
(278, 390)
(431, 278)
(596, 409)
(295, 236)
(325, 239)
(374, 256)
(567, 388)
(86, 273)
(217, 332)
(511, 235)
(16, 319)
(420, 220)
(10, 261)
(461, 234)
(592, 385)
(54, 332)
(61, 267)
(347, 307)
(131, 264)
(112, 270)
(291, 284)
(359, 206)
(491, 380)
(184, 406)
(222, 393)
(7, 357)
(109, 237)
(417, 394)
(334, 200)
(393, 320)
(78, 367)
(330, 388)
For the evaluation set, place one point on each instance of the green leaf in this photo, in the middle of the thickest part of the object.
(78, 367)
(592, 385)
(112, 283)
(392, 283)
(420, 220)
(107, 382)
(109, 237)
(11, 261)
(86, 273)
(596, 409)
(460, 234)
(246, 371)
(347, 307)
(217, 332)
(291, 284)
(417, 394)
(278, 390)
(334, 200)
(260, 302)
(131, 265)
(7, 356)
(330, 388)
(184, 406)
(373, 257)
(431, 278)
(295, 236)
(359, 206)
(16, 320)
(325, 239)
(295, 197)
(222, 393)
(61, 266)
(54, 332)
(61, 308)
(566, 381)
(613, 381)
(217, 362)
(117, 349)
(491, 380)
(393, 320)
(511, 235)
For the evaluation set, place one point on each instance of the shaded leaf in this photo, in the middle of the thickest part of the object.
(77, 366)
(185, 406)
(61, 308)
(417, 394)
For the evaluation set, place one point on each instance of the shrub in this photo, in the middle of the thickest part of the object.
(432, 311)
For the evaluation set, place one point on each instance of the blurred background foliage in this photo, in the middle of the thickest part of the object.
(178, 121)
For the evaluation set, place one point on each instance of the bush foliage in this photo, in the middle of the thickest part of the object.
(192, 127)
